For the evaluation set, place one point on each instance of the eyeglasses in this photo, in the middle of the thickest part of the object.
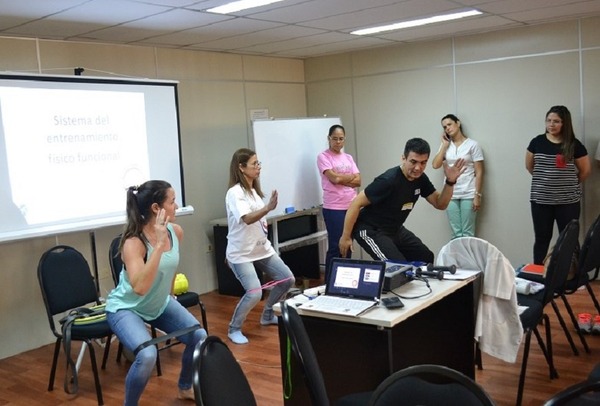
(334, 139)
(255, 164)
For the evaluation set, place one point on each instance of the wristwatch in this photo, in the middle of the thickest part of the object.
(478, 194)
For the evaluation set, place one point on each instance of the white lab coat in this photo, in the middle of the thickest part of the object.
(498, 327)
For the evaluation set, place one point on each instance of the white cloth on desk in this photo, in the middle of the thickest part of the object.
(498, 327)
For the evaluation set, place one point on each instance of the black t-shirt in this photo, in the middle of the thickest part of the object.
(392, 198)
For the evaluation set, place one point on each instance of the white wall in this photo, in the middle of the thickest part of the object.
(500, 85)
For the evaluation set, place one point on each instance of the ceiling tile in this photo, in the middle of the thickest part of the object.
(297, 28)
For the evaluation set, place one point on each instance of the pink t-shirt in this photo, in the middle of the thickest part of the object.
(336, 197)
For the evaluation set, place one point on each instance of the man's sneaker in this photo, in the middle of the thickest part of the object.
(237, 337)
(596, 325)
(584, 322)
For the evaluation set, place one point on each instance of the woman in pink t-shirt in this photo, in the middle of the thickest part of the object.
(339, 178)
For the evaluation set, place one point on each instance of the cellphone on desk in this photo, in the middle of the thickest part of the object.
(393, 302)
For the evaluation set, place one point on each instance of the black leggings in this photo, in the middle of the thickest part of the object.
(543, 216)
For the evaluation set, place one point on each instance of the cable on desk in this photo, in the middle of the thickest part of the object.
(421, 279)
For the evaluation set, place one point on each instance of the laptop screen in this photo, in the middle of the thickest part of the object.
(355, 278)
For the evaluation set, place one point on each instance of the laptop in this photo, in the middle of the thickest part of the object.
(354, 286)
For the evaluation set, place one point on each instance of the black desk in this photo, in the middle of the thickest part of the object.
(356, 354)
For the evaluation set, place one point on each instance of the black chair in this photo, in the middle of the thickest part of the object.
(187, 299)
(564, 288)
(67, 283)
(429, 385)
(307, 359)
(585, 393)
(556, 276)
(589, 260)
(218, 379)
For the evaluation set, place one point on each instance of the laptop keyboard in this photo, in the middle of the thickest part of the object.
(342, 303)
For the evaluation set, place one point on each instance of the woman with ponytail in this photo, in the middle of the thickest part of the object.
(150, 253)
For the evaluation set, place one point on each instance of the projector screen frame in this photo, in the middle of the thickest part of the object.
(93, 83)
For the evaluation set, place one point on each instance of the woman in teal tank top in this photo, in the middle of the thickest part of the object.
(150, 253)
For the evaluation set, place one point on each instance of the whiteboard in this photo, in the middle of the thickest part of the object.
(288, 150)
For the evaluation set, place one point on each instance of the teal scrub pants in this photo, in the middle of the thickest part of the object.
(461, 217)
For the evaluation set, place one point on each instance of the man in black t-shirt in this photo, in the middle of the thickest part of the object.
(375, 218)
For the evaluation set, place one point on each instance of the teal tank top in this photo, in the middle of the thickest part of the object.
(152, 304)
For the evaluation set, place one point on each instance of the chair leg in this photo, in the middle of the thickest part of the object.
(478, 359)
(106, 350)
(547, 348)
(95, 371)
(54, 363)
(523, 368)
(564, 327)
(158, 368)
(119, 352)
(574, 321)
(593, 296)
(205, 323)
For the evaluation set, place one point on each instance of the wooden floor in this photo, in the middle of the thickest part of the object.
(23, 378)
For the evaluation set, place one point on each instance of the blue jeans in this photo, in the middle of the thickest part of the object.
(246, 274)
(132, 331)
(334, 222)
(461, 217)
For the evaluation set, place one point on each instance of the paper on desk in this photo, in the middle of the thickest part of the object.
(461, 274)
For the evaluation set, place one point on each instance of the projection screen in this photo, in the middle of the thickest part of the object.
(71, 145)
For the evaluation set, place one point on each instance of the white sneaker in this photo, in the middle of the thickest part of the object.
(237, 337)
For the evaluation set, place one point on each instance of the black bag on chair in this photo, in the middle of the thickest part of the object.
(80, 318)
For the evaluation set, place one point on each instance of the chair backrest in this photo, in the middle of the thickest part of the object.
(589, 257)
(429, 385)
(218, 379)
(65, 280)
(114, 259)
(305, 355)
(497, 284)
(557, 271)
(586, 393)
(472, 253)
